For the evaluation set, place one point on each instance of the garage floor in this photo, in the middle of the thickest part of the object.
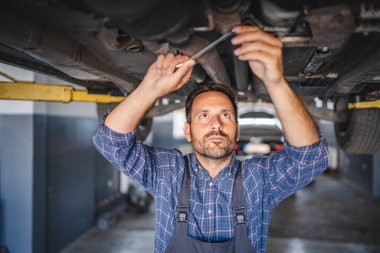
(329, 216)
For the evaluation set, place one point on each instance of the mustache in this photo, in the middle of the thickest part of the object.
(216, 133)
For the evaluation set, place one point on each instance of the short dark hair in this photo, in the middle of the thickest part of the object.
(210, 87)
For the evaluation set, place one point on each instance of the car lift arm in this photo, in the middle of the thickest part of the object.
(21, 90)
(364, 105)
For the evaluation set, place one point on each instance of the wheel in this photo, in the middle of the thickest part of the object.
(144, 127)
(360, 134)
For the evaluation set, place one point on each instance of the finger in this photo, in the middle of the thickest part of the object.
(177, 60)
(245, 28)
(158, 63)
(260, 56)
(182, 58)
(258, 46)
(183, 70)
(256, 36)
(166, 63)
(184, 79)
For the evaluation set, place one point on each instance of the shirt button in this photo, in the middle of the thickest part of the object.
(210, 184)
(209, 211)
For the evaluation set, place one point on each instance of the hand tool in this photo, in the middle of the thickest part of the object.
(209, 47)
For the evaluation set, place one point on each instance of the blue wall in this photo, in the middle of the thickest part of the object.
(51, 179)
(16, 183)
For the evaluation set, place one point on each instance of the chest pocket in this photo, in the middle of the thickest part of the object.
(224, 194)
(223, 199)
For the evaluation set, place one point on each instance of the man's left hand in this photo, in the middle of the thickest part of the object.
(262, 51)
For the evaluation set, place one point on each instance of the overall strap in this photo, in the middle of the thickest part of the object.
(183, 206)
(238, 204)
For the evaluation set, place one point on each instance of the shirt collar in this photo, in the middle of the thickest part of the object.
(228, 172)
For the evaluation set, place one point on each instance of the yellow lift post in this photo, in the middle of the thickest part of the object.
(22, 90)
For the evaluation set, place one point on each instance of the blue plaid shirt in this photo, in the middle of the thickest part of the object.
(267, 180)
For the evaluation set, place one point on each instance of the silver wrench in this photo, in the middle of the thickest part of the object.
(209, 47)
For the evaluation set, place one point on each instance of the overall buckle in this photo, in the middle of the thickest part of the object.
(182, 217)
(240, 215)
(182, 212)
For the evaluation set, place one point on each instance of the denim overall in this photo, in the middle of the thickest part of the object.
(183, 243)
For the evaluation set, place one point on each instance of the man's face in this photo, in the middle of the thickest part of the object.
(213, 130)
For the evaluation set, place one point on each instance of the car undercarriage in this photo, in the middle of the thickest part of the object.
(331, 51)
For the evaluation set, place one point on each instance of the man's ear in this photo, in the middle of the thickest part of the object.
(186, 131)
(237, 132)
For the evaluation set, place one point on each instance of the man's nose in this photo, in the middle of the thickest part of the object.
(216, 124)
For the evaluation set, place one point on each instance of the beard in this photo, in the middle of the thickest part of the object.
(218, 151)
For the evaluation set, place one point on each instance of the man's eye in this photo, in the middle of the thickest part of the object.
(203, 115)
(227, 115)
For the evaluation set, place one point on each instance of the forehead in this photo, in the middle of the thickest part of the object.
(212, 100)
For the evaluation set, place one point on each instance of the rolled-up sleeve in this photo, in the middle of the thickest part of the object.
(126, 153)
(294, 167)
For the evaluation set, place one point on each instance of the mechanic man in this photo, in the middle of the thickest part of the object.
(208, 201)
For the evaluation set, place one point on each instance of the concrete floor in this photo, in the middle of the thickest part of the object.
(329, 216)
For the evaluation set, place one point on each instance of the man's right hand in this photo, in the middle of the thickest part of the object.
(163, 77)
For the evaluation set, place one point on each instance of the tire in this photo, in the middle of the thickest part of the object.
(361, 133)
(144, 127)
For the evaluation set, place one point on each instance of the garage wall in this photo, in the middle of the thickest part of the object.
(16, 182)
(51, 176)
(77, 177)
(39, 183)
(70, 180)
(16, 170)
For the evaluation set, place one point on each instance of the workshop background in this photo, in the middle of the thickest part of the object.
(57, 194)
